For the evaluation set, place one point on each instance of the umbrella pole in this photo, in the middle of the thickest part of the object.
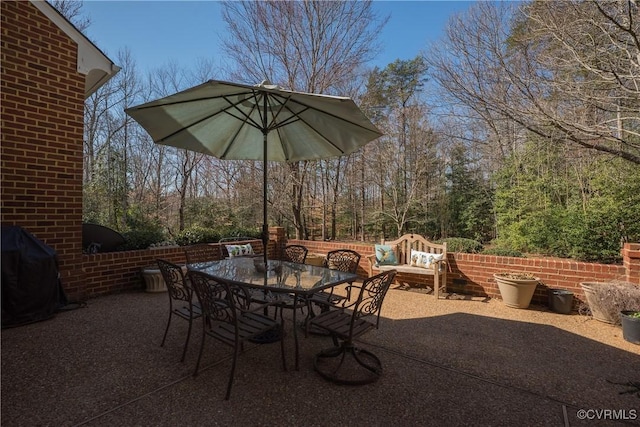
(265, 226)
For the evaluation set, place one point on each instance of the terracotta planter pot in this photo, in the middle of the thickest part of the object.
(516, 293)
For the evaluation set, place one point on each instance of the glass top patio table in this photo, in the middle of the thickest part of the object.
(299, 280)
(280, 276)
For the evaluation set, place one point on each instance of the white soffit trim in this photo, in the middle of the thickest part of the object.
(94, 64)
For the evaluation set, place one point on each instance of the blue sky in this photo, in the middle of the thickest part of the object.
(159, 31)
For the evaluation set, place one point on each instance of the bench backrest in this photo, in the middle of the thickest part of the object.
(416, 242)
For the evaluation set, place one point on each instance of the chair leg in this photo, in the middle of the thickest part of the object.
(295, 336)
(349, 291)
(204, 332)
(282, 351)
(236, 350)
(311, 314)
(166, 330)
(186, 343)
(307, 322)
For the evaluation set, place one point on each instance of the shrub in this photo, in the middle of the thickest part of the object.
(503, 252)
(241, 232)
(460, 244)
(595, 235)
(197, 234)
(142, 238)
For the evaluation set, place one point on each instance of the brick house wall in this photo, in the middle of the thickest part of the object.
(42, 101)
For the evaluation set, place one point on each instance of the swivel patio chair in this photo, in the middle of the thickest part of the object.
(295, 253)
(181, 302)
(202, 252)
(228, 318)
(336, 364)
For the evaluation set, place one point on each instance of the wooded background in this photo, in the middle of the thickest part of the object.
(519, 128)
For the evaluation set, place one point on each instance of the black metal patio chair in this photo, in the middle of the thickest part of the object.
(295, 253)
(347, 323)
(227, 317)
(181, 302)
(346, 260)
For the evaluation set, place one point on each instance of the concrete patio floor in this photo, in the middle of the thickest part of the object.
(446, 363)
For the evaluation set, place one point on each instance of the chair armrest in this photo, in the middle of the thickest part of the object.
(346, 303)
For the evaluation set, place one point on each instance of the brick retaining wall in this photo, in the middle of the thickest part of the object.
(112, 272)
(469, 273)
(473, 273)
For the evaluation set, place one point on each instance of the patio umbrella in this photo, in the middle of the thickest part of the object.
(261, 122)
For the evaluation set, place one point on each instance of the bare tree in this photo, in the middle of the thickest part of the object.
(404, 153)
(591, 50)
(306, 46)
(72, 10)
(107, 142)
(566, 71)
(165, 81)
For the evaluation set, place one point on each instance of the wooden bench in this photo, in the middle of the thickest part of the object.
(404, 245)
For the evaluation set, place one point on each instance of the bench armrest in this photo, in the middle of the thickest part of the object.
(372, 262)
(440, 264)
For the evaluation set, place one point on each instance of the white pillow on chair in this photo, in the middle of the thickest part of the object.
(239, 250)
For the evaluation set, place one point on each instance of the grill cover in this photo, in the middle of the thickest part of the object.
(31, 288)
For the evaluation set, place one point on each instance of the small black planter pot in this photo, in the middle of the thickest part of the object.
(560, 300)
(630, 326)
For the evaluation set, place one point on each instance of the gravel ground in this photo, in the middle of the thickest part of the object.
(447, 362)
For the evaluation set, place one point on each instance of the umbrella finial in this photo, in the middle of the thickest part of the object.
(268, 85)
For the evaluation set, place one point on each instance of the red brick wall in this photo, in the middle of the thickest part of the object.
(322, 247)
(121, 271)
(42, 101)
(473, 273)
(477, 272)
(631, 261)
(113, 272)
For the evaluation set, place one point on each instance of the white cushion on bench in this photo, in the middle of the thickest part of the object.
(403, 268)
